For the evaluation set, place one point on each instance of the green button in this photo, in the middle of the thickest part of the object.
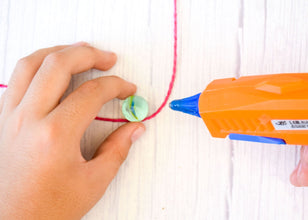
(135, 108)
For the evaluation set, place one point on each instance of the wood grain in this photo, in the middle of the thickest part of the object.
(177, 171)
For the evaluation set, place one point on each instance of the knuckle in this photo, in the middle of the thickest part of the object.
(116, 81)
(54, 59)
(89, 47)
(40, 51)
(92, 52)
(90, 86)
(49, 133)
(23, 63)
(115, 78)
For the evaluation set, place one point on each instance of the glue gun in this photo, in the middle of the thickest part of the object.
(265, 108)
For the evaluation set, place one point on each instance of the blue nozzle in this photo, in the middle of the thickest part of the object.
(188, 105)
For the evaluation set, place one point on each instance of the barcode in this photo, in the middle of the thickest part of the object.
(290, 124)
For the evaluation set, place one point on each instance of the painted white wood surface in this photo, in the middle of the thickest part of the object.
(177, 171)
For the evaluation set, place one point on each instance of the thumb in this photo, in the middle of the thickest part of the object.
(112, 153)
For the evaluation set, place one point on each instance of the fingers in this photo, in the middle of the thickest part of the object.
(23, 74)
(78, 110)
(53, 77)
(299, 177)
(111, 154)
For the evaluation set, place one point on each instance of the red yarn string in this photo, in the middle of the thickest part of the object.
(170, 84)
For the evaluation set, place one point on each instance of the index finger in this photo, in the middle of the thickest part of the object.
(23, 74)
(53, 77)
(78, 110)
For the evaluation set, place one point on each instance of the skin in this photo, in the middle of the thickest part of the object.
(42, 172)
(299, 177)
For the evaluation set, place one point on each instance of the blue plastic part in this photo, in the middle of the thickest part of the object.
(188, 105)
(253, 138)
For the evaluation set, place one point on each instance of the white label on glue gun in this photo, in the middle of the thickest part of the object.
(290, 124)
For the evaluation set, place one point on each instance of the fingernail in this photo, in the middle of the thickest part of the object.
(81, 43)
(137, 134)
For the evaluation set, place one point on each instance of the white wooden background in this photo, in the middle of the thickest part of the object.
(176, 170)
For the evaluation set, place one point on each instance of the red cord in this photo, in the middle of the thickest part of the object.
(170, 84)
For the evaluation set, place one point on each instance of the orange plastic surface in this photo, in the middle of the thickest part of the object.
(248, 104)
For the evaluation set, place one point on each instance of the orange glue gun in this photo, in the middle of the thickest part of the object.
(264, 108)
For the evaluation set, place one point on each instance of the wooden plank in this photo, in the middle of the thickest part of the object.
(4, 24)
(274, 40)
(177, 171)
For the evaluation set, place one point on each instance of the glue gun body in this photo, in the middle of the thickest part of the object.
(265, 108)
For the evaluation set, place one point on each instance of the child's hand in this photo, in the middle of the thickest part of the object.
(299, 177)
(42, 172)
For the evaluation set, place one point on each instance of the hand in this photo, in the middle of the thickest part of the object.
(42, 172)
(299, 177)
